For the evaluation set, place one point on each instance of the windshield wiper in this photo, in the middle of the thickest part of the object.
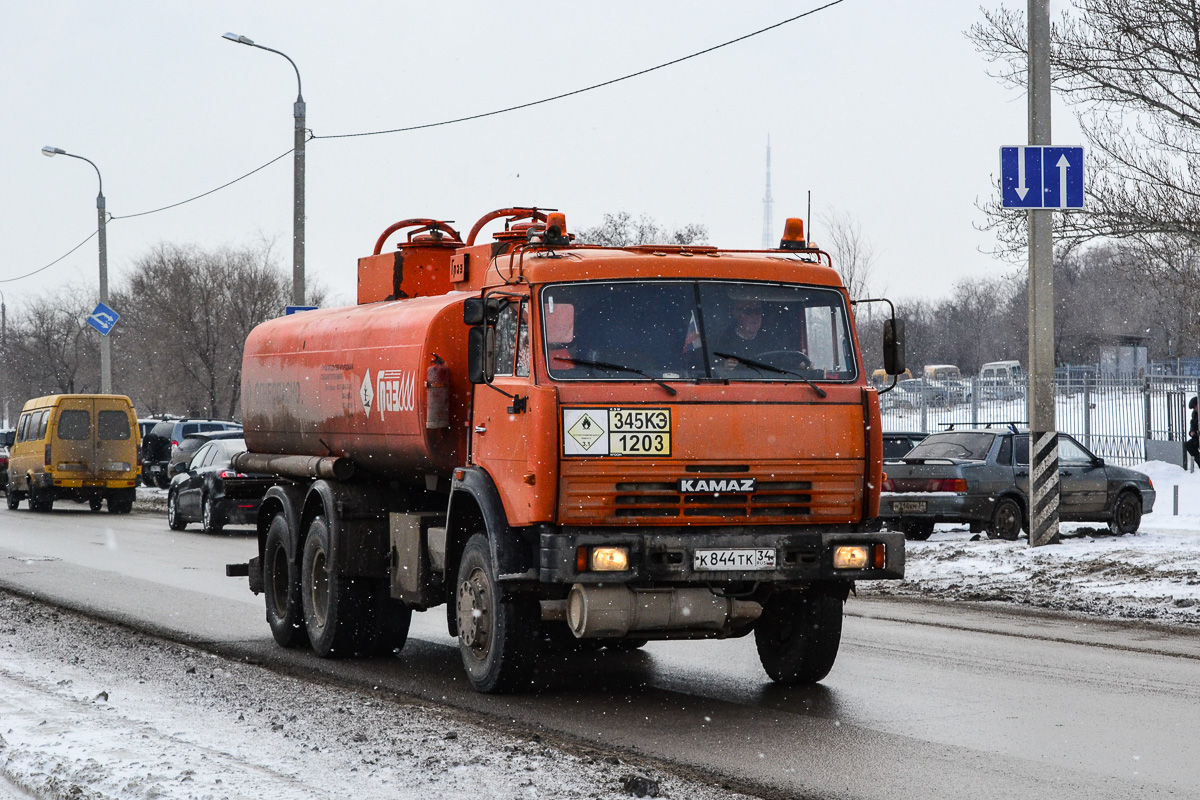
(584, 362)
(750, 362)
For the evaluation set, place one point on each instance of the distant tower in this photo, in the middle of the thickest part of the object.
(768, 241)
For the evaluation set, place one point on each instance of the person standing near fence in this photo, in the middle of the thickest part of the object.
(1193, 442)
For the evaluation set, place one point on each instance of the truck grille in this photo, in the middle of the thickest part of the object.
(809, 492)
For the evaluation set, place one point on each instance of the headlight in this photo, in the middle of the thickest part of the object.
(860, 556)
(850, 556)
(609, 559)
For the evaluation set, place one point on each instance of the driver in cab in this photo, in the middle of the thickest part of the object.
(744, 336)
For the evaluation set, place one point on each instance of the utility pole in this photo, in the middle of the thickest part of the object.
(1043, 436)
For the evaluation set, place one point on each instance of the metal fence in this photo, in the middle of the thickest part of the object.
(1124, 420)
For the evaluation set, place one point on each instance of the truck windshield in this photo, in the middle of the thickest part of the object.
(686, 330)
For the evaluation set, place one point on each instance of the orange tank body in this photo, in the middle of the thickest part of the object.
(352, 382)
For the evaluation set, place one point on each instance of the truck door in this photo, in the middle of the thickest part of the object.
(508, 428)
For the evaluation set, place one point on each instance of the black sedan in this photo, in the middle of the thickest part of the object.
(210, 491)
(981, 477)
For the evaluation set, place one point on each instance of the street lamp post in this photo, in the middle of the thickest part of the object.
(101, 216)
(298, 111)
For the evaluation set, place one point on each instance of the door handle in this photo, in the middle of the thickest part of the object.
(481, 429)
(1021, 474)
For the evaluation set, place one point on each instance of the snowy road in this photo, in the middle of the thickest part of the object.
(925, 701)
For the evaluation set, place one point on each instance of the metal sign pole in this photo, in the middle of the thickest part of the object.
(1043, 436)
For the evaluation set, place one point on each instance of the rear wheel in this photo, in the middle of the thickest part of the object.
(175, 520)
(281, 588)
(917, 530)
(337, 609)
(798, 635)
(1127, 514)
(497, 638)
(1006, 520)
(36, 503)
(210, 518)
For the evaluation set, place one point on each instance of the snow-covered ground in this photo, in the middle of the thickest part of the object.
(90, 711)
(1154, 574)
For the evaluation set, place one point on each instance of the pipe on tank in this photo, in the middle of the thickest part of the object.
(327, 467)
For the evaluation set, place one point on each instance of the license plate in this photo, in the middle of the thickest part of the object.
(909, 507)
(734, 559)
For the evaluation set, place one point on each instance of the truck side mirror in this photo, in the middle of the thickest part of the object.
(481, 354)
(473, 311)
(893, 346)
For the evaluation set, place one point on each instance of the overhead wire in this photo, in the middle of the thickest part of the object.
(455, 121)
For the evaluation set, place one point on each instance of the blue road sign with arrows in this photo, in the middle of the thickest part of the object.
(103, 318)
(1041, 177)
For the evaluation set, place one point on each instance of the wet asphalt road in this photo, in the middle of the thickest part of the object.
(925, 701)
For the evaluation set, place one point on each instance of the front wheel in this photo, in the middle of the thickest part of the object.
(1127, 514)
(497, 638)
(14, 500)
(281, 588)
(798, 635)
(1006, 520)
(95, 503)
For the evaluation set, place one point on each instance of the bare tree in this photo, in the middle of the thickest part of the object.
(51, 348)
(852, 253)
(1131, 68)
(190, 312)
(622, 230)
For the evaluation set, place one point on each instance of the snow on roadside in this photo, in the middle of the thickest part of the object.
(94, 712)
(1154, 574)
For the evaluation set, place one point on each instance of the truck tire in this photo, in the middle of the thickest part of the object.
(281, 588)
(392, 617)
(798, 635)
(337, 610)
(497, 638)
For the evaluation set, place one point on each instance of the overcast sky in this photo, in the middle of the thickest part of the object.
(881, 109)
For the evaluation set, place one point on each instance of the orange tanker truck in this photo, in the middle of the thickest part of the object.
(568, 444)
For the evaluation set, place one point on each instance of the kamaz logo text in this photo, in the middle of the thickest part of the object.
(717, 486)
(396, 390)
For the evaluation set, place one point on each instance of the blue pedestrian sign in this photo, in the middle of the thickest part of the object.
(289, 310)
(1041, 177)
(103, 318)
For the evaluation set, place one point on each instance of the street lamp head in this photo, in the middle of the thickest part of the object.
(51, 152)
(233, 37)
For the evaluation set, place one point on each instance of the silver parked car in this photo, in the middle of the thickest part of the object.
(980, 477)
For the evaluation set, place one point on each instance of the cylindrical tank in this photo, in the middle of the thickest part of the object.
(351, 382)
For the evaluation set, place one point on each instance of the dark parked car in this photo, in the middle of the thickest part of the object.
(183, 452)
(896, 444)
(156, 448)
(980, 477)
(7, 437)
(210, 491)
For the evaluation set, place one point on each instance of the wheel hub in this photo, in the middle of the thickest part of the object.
(473, 611)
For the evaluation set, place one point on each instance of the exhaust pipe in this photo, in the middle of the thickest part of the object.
(615, 611)
(328, 467)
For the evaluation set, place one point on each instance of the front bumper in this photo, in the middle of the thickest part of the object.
(802, 556)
